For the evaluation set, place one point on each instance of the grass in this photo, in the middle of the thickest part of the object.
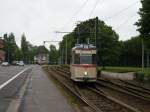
(121, 69)
(136, 70)
(147, 72)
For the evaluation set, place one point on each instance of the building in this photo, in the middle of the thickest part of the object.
(41, 59)
(2, 53)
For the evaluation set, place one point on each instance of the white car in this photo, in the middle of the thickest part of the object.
(20, 63)
(5, 64)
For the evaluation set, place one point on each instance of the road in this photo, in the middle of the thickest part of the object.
(40, 94)
(9, 71)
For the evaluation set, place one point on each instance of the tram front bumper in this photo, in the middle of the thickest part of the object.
(85, 79)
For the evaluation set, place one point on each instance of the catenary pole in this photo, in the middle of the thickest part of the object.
(142, 54)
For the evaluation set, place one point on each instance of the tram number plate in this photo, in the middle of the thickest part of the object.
(86, 52)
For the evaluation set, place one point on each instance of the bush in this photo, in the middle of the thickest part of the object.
(140, 75)
(66, 66)
(98, 73)
(147, 76)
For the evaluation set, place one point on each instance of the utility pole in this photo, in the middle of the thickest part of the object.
(88, 41)
(78, 38)
(8, 55)
(147, 58)
(96, 34)
(142, 54)
(62, 56)
(66, 52)
(96, 30)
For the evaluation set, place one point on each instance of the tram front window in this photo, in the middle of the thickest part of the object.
(86, 59)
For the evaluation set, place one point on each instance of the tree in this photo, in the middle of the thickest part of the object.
(107, 42)
(69, 38)
(42, 50)
(18, 54)
(144, 21)
(24, 48)
(144, 27)
(53, 55)
(9, 47)
(131, 52)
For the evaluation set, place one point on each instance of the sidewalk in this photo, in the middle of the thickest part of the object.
(43, 96)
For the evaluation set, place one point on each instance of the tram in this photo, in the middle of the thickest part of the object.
(83, 63)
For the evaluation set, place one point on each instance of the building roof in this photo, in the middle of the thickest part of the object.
(1, 43)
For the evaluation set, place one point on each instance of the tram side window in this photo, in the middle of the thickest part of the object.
(76, 58)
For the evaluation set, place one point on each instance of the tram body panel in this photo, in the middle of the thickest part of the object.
(83, 63)
(81, 73)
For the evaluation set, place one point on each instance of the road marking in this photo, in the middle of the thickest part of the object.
(15, 104)
(13, 78)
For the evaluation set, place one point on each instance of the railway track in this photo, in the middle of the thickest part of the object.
(134, 91)
(103, 101)
(121, 86)
(132, 97)
(134, 85)
(73, 89)
(97, 100)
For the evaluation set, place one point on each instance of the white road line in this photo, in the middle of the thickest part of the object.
(13, 78)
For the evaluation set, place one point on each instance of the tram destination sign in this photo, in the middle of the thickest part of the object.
(86, 51)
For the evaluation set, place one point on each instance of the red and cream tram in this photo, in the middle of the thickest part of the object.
(83, 63)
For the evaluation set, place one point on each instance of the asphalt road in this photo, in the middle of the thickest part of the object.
(5, 74)
(8, 72)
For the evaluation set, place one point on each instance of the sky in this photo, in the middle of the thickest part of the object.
(39, 19)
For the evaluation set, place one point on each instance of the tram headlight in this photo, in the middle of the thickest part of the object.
(85, 73)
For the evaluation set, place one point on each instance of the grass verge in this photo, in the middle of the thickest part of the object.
(121, 69)
(140, 75)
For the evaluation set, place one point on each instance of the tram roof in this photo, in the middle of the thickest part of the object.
(84, 46)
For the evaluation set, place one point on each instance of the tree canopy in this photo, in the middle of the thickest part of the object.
(144, 21)
(10, 46)
(53, 55)
(107, 41)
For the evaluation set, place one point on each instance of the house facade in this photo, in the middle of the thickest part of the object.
(2, 53)
(41, 59)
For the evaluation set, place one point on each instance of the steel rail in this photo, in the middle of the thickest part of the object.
(57, 70)
(77, 94)
(134, 85)
(126, 89)
(102, 93)
(135, 88)
(123, 89)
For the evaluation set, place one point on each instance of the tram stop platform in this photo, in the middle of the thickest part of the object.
(42, 95)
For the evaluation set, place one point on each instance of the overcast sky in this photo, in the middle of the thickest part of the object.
(38, 19)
